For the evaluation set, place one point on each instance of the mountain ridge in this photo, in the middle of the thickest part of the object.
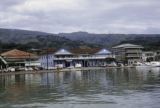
(36, 39)
(75, 39)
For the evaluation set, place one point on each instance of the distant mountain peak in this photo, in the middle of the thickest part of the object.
(82, 32)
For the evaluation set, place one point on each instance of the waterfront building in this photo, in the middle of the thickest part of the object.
(148, 56)
(157, 55)
(86, 57)
(128, 53)
(17, 57)
(46, 58)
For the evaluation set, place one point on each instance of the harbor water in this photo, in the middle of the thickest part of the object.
(101, 88)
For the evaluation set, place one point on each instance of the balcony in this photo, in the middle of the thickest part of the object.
(85, 58)
(134, 51)
(134, 56)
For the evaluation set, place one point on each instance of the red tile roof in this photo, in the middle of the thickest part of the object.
(18, 54)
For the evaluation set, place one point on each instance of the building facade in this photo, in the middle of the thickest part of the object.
(148, 56)
(157, 55)
(46, 61)
(77, 58)
(19, 58)
(128, 53)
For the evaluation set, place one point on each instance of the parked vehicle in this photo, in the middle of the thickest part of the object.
(59, 66)
(11, 69)
(28, 69)
(78, 65)
(20, 68)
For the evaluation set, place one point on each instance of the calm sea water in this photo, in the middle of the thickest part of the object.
(105, 88)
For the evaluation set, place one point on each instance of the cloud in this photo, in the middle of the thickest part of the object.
(99, 16)
(5, 4)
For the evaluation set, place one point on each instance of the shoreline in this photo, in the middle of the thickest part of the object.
(60, 70)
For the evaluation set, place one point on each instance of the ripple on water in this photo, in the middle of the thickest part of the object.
(113, 89)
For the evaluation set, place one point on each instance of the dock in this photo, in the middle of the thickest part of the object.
(60, 70)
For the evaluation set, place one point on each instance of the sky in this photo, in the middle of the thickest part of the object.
(94, 16)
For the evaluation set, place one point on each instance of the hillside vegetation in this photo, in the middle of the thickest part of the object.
(23, 39)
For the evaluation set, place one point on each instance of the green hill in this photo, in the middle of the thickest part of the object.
(23, 39)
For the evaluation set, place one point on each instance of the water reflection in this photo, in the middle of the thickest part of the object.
(105, 86)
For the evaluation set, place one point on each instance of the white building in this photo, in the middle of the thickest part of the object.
(128, 53)
(148, 56)
(77, 58)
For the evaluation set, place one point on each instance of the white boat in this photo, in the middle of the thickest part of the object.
(148, 64)
(139, 64)
(155, 64)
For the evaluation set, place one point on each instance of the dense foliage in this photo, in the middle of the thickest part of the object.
(149, 43)
(22, 39)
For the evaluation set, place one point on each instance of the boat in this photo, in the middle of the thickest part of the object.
(140, 64)
(155, 64)
(148, 64)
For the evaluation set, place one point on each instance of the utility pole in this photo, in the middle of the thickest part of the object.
(29, 59)
(47, 59)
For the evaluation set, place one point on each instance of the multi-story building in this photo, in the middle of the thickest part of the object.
(128, 53)
(77, 58)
